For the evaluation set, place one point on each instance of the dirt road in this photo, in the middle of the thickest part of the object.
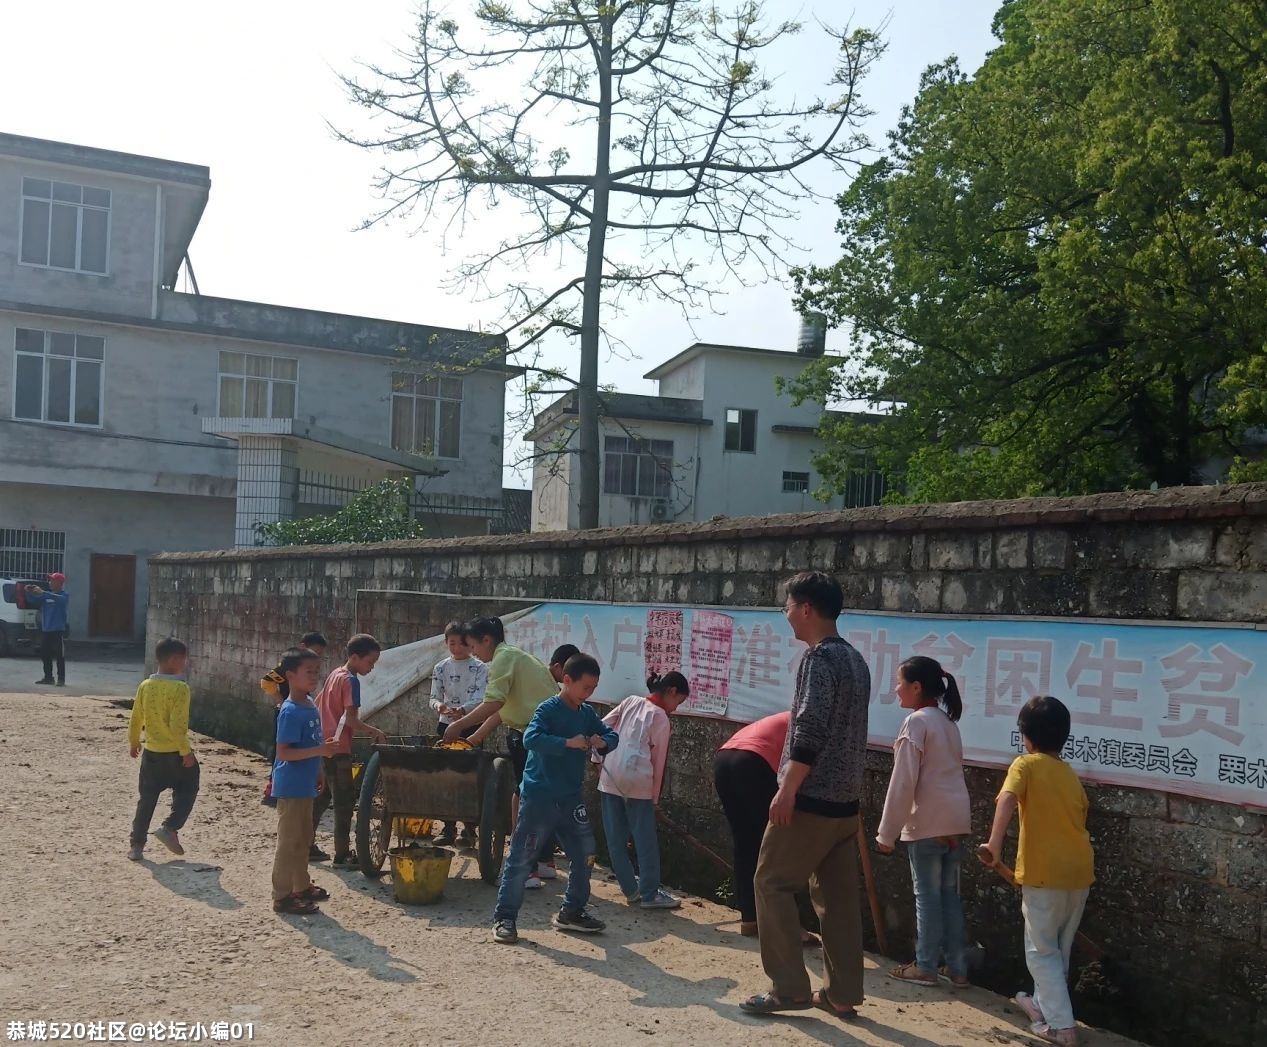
(86, 935)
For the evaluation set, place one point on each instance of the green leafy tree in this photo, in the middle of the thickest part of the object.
(380, 513)
(641, 150)
(1055, 276)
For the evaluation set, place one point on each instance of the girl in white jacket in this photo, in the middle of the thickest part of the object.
(630, 782)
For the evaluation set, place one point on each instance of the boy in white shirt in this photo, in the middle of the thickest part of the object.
(457, 687)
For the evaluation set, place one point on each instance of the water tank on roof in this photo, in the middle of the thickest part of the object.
(812, 340)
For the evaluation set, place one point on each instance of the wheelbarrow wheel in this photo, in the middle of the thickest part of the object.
(495, 820)
(373, 820)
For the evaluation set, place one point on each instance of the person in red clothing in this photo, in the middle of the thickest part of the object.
(745, 774)
(340, 704)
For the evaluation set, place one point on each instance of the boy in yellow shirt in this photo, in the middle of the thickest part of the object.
(1054, 861)
(161, 710)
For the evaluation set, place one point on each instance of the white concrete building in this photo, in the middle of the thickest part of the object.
(136, 419)
(719, 439)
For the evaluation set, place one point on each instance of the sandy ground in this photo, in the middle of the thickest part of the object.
(86, 935)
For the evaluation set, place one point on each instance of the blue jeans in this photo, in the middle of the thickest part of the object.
(632, 819)
(938, 908)
(539, 817)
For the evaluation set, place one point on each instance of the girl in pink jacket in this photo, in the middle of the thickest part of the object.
(629, 787)
(927, 804)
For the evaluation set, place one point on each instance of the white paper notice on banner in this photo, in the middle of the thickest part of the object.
(1180, 708)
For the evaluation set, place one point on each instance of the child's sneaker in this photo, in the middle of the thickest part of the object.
(633, 898)
(662, 900)
(136, 852)
(168, 838)
(1064, 1037)
(578, 921)
(547, 871)
(505, 932)
(533, 883)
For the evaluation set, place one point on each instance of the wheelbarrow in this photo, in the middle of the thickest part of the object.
(403, 782)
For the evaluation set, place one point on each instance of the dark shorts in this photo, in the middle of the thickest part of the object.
(518, 755)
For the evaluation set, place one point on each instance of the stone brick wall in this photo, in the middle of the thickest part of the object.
(1178, 912)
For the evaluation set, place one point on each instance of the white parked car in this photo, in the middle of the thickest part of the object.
(19, 624)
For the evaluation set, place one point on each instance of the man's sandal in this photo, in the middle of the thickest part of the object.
(294, 905)
(313, 893)
(769, 1003)
(911, 972)
(845, 1014)
(959, 981)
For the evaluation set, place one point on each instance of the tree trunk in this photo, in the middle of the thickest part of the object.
(589, 450)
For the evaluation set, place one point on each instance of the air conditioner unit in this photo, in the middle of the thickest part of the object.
(660, 509)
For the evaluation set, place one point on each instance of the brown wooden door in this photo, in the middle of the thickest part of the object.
(111, 595)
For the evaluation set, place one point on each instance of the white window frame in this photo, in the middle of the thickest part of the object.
(44, 358)
(663, 470)
(405, 387)
(794, 477)
(79, 225)
(269, 379)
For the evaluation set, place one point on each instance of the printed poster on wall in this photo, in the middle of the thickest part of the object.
(1179, 708)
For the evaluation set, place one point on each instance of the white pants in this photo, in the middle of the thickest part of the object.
(1051, 921)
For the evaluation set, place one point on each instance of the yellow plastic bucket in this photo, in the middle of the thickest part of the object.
(419, 873)
(413, 828)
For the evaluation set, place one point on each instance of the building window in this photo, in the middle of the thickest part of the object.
(426, 414)
(637, 468)
(795, 483)
(257, 386)
(65, 226)
(28, 553)
(741, 429)
(58, 377)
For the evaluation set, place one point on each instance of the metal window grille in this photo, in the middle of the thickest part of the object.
(795, 483)
(865, 484)
(637, 468)
(31, 553)
(320, 493)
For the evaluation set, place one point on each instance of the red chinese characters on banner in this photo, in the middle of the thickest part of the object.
(662, 646)
(882, 655)
(1101, 672)
(1201, 686)
(712, 641)
(1016, 670)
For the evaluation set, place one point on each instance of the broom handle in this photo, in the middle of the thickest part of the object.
(673, 827)
(873, 899)
(1006, 872)
(868, 874)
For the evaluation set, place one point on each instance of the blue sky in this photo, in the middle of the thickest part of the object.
(248, 89)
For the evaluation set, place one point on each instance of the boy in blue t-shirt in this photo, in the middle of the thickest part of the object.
(562, 734)
(297, 779)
